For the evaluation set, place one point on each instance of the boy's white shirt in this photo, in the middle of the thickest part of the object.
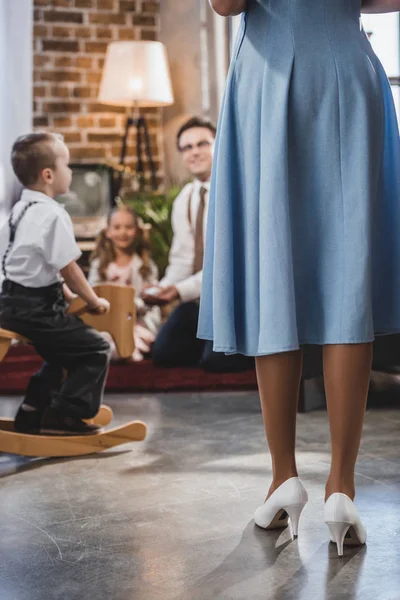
(181, 257)
(44, 243)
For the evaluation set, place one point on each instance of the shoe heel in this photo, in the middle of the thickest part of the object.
(294, 513)
(338, 532)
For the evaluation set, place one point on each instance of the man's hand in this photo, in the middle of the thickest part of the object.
(164, 296)
(168, 294)
(102, 307)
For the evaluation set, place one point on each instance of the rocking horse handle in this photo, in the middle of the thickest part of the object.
(85, 309)
(81, 311)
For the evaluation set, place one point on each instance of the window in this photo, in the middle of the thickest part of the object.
(383, 33)
(214, 58)
(234, 23)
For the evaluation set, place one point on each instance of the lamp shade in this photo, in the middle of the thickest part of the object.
(136, 73)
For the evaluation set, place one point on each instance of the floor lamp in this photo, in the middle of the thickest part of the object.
(136, 75)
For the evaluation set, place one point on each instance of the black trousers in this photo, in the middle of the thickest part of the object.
(177, 345)
(64, 342)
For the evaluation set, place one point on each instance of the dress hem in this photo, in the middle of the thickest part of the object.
(293, 347)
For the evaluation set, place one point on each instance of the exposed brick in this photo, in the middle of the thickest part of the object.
(63, 61)
(104, 33)
(39, 91)
(96, 47)
(144, 21)
(41, 121)
(106, 4)
(107, 122)
(62, 16)
(94, 78)
(67, 79)
(131, 158)
(151, 111)
(83, 32)
(62, 107)
(85, 121)
(153, 122)
(85, 3)
(60, 91)
(58, 46)
(104, 137)
(60, 76)
(107, 18)
(116, 153)
(62, 122)
(84, 62)
(127, 5)
(40, 60)
(131, 149)
(105, 108)
(62, 32)
(40, 31)
(83, 92)
(88, 153)
(126, 33)
(72, 137)
(148, 34)
(150, 7)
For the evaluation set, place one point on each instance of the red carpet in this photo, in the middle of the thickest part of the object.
(22, 361)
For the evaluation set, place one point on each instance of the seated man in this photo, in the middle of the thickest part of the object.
(176, 343)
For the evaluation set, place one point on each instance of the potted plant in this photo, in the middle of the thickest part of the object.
(155, 209)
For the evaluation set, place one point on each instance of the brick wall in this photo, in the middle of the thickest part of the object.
(70, 41)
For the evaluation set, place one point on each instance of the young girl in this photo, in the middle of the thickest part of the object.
(119, 258)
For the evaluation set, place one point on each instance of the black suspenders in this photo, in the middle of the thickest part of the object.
(13, 230)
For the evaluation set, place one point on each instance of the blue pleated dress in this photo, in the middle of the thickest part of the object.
(303, 235)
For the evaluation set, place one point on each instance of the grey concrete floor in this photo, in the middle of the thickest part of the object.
(171, 517)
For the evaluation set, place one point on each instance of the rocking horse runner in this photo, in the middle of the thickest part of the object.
(37, 244)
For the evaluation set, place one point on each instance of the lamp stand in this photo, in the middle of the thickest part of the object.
(142, 137)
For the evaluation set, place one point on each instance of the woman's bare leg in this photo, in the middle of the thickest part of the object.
(347, 371)
(279, 377)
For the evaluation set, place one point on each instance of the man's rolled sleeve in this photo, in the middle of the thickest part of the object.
(190, 289)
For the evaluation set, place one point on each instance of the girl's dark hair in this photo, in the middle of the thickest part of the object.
(105, 252)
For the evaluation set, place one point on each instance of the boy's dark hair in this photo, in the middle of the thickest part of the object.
(196, 122)
(31, 154)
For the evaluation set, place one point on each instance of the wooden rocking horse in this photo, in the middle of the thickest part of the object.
(119, 324)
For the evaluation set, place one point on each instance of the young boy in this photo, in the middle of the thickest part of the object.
(37, 244)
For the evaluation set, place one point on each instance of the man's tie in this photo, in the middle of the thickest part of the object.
(199, 234)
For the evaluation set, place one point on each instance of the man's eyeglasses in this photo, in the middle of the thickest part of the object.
(200, 146)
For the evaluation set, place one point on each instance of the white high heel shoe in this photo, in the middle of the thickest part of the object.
(341, 516)
(285, 504)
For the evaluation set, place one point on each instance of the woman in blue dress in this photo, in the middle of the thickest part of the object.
(303, 243)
